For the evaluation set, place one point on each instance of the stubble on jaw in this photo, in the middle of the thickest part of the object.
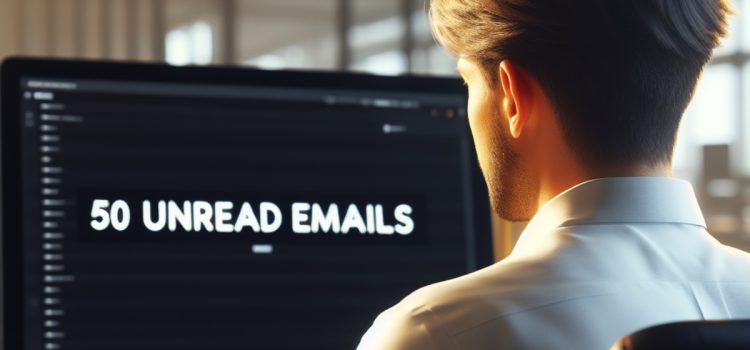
(510, 187)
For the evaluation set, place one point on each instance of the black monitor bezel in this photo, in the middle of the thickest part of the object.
(13, 69)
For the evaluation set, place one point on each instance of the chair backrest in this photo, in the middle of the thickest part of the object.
(690, 335)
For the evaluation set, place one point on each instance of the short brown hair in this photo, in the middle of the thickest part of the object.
(619, 73)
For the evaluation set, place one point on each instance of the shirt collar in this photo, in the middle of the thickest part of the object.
(618, 200)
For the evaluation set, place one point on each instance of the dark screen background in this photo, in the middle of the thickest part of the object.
(145, 290)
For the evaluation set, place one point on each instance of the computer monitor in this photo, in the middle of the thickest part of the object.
(156, 207)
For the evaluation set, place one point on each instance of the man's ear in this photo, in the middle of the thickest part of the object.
(516, 94)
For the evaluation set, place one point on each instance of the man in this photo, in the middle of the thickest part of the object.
(574, 106)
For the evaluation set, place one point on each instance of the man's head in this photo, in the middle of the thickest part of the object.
(611, 79)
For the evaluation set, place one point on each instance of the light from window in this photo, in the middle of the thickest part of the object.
(713, 111)
(190, 44)
(711, 118)
(745, 125)
(386, 63)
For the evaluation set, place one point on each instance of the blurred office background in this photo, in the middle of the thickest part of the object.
(381, 37)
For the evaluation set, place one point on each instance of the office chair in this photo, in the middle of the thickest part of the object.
(690, 335)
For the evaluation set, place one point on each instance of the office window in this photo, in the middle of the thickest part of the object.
(191, 35)
(710, 118)
(717, 115)
(743, 11)
(375, 37)
(391, 62)
(278, 34)
(744, 122)
(427, 56)
(190, 44)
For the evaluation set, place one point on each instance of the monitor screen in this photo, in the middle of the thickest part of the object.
(216, 208)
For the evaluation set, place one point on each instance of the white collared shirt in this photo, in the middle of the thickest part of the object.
(601, 260)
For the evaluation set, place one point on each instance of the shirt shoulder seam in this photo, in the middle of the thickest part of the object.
(509, 314)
